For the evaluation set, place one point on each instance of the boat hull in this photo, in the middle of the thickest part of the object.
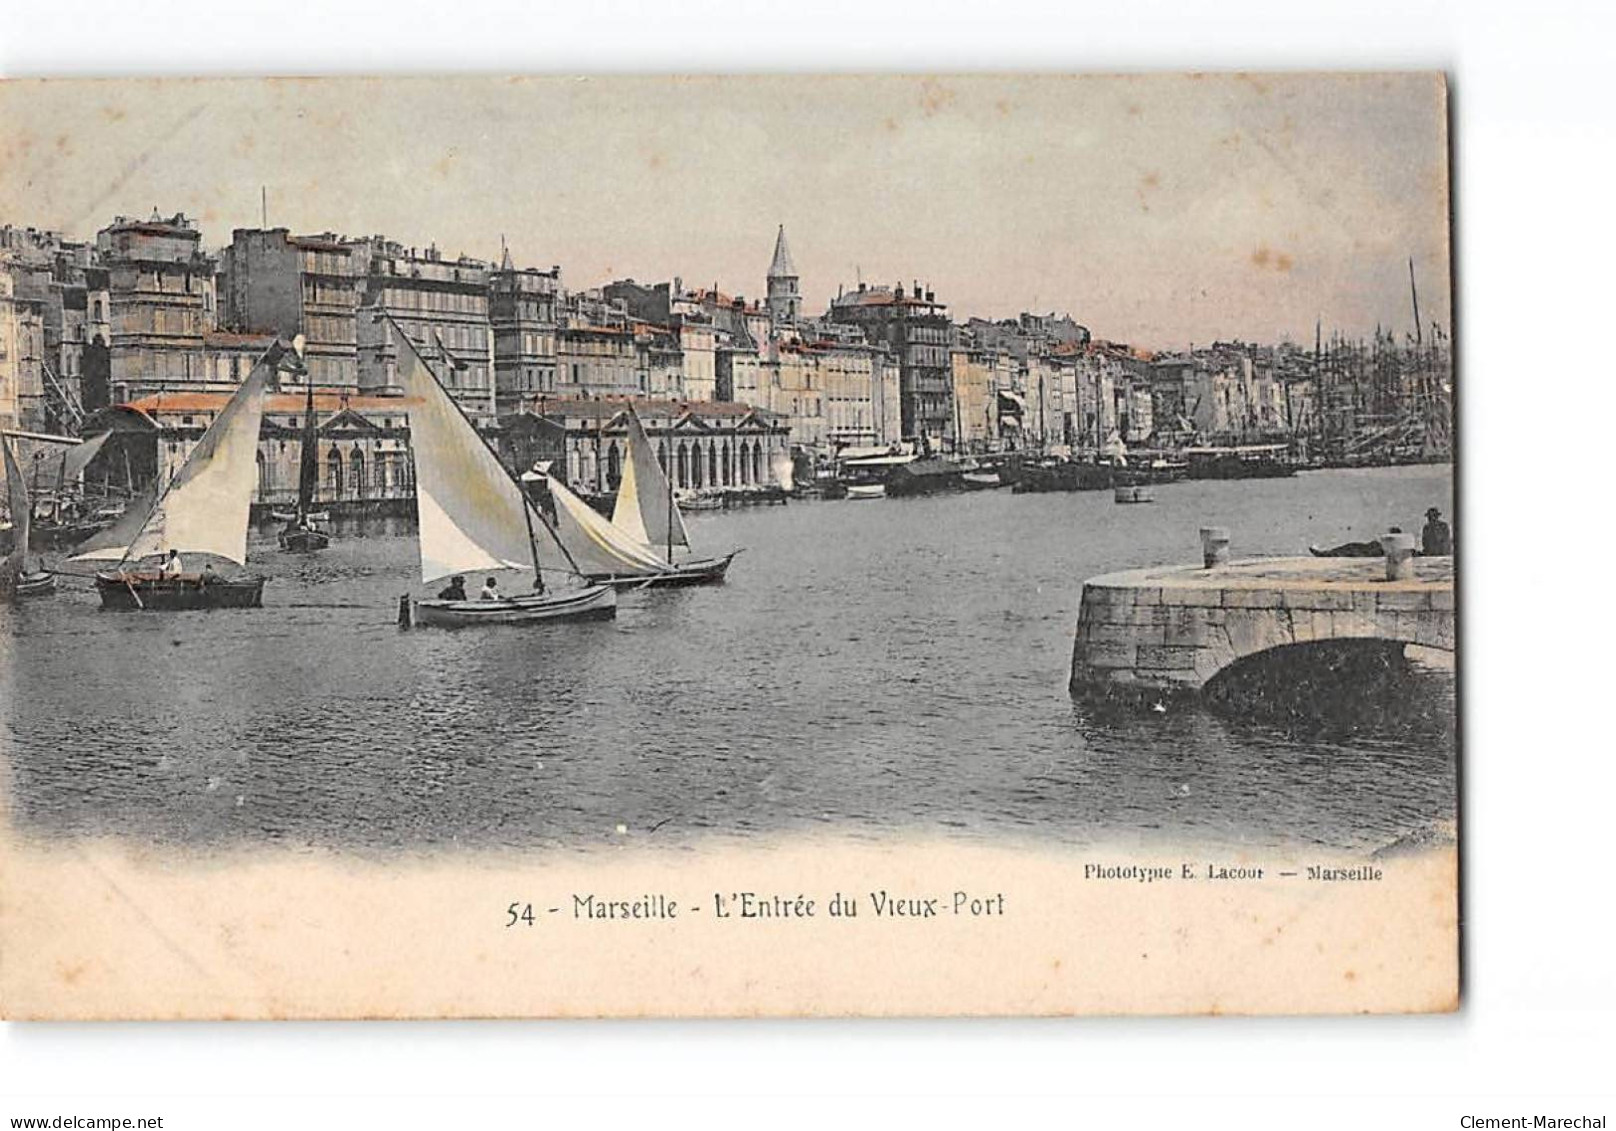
(706, 572)
(129, 592)
(598, 602)
(28, 585)
(303, 541)
(867, 491)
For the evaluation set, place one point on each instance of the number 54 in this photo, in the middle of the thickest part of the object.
(519, 913)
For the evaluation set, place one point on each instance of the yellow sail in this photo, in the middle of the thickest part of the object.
(473, 515)
(596, 543)
(644, 510)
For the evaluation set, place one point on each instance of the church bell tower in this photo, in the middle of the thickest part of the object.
(785, 301)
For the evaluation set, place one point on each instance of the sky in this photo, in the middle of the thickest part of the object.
(1160, 210)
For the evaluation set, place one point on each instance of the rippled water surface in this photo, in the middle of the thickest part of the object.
(875, 668)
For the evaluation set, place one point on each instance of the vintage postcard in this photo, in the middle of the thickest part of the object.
(772, 545)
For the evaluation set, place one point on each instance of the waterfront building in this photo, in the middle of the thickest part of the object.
(915, 327)
(522, 311)
(162, 297)
(584, 441)
(440, 304)
(273, 282)
(364, 454)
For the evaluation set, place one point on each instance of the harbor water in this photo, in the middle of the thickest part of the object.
(872, 668)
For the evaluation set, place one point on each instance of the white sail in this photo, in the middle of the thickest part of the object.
(596, 543)
(75, 459)
(21, 509)
(205, 507)
(645, 509)
(473, 515)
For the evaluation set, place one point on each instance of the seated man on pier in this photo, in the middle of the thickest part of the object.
(1354, 549)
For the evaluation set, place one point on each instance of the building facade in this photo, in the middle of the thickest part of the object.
(273, 282)
(702, 445)
(522, 306)
(162, 298)
(916, 328)
(440, 304)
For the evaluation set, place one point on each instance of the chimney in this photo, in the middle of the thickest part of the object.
(931, 296)
(861, 286)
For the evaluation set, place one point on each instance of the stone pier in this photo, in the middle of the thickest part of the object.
(1173, 628)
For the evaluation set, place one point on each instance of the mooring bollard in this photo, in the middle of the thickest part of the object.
(404, 611)
(1214, 546)
(1399, 556)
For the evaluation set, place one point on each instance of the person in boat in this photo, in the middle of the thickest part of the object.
(490, 591)
(1436, 540)
(172, 566)
(209, 574)
(454, 591)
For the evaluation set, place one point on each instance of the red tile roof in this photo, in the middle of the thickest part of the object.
(278, 403)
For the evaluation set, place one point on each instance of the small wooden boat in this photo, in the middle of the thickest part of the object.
(135, 591)
(302, 539)
(700, 501)
(705, 571)
(301, 535)
(204, 510)
(866, 490)
(475, 517)
(981, 480)
(291, 516)
(34, 584)
(16, 579)
(1135, 493)
(597, 602)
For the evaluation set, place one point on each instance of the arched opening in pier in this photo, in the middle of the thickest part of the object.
(1344, 685)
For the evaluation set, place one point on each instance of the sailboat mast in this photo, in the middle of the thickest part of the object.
(308, 464)
(669, 479)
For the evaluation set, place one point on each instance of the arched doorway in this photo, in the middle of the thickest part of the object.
(712, 464)
(263, 478)
(662, 455)
(684, 465)
(356, 469)
(724, 464)
(757, 462)
(333, 474)
(614, 467)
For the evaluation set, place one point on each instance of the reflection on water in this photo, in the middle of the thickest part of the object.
(872, 668)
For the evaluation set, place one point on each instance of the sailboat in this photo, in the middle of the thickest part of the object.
(300, 534)
(202, 511)
(474, 517)
(15, 580)
(635, 546)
